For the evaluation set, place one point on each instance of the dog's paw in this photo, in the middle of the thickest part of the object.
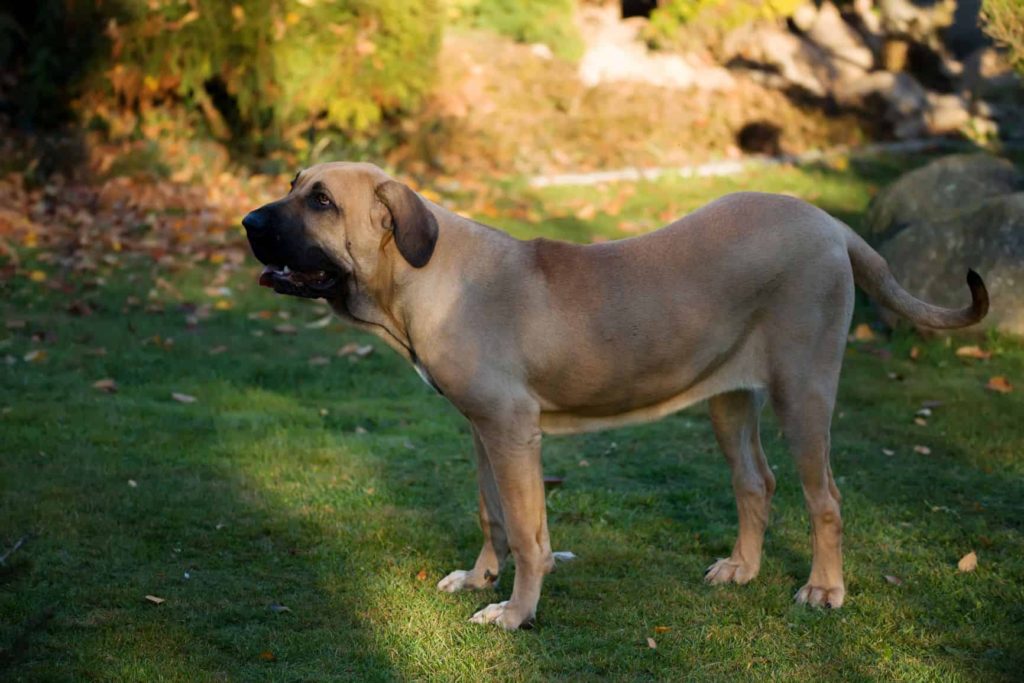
(728, 570)
(454, 582)
(563, 555)
(501, 614)
(821, 596)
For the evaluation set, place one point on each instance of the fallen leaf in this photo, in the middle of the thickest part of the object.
(133, 484)
(922, 450)
(360, 430)
(183, 398)
(651, 644)
(584, 463)
(863, 333)
(268, 656)
(352, 348)
(968, 563)
(108, 385)
(920, 421)
(915, 353)
(973, 352)
(37, 276)
(35, 356)
(999, 384)
(894, 580)
(285, 328)
(155, 600)
(662, 629)
(888, 451)
(421, 575)
(924, 412)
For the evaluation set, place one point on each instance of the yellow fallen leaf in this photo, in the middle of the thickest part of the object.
(267, 656)
(37, 276)
(155, 600)
(999, 384)
(968, 563)
(35, 356)
(662, 629)
(421, 575)
(108, 385)
(973, 352)
(222, 305)
(863, 333)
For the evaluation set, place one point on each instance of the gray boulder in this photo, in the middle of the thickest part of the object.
(933, 192)
(961, 212)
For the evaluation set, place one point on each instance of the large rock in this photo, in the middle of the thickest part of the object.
(931, 193)
(960, 212)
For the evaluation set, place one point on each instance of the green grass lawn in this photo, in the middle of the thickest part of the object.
(344, 490)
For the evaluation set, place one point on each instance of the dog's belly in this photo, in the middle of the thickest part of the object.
(636, 398)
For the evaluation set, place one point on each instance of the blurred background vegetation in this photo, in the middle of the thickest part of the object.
(272, 83)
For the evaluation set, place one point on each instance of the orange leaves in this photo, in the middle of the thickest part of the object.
(999, 384)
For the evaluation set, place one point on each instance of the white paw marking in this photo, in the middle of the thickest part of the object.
(489, 614)
(454, 582)
(564, 556)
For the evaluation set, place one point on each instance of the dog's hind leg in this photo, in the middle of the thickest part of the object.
(735, 416)
(484, 573)
(803, 402)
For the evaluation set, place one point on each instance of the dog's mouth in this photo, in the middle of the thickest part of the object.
(317, 284)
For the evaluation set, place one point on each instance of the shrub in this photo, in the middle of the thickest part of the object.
(256, 69)
(526, 21)
(1004, 21)
(709, 18)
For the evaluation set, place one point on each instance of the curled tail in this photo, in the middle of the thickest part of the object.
(872, 274)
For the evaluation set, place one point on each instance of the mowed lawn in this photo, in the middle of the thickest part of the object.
(296, 516)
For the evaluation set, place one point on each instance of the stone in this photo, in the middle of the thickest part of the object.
(931, 193)
(832, 34)
(959, 212)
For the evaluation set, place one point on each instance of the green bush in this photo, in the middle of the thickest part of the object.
(526, 21)
(708, 17)
(1004, 21)
(256, 69)
(268, 66)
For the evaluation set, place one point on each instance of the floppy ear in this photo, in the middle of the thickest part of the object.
(414, 227)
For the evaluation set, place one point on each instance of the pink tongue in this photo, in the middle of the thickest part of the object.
(267, 277)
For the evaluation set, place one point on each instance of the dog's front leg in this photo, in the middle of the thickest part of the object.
(484, 573)
(513, 451)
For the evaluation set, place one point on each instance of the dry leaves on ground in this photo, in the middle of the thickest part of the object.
(183, 398)
(968, 563)
(155, 600)
(999, 384)
(975, 352)
(107, 385)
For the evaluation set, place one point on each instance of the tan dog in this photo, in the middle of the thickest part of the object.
(745, 300)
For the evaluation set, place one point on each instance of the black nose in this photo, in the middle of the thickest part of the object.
(253, 221)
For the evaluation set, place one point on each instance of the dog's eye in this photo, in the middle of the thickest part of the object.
(322, 199)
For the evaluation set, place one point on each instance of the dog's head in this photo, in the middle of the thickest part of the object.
(339, 222)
